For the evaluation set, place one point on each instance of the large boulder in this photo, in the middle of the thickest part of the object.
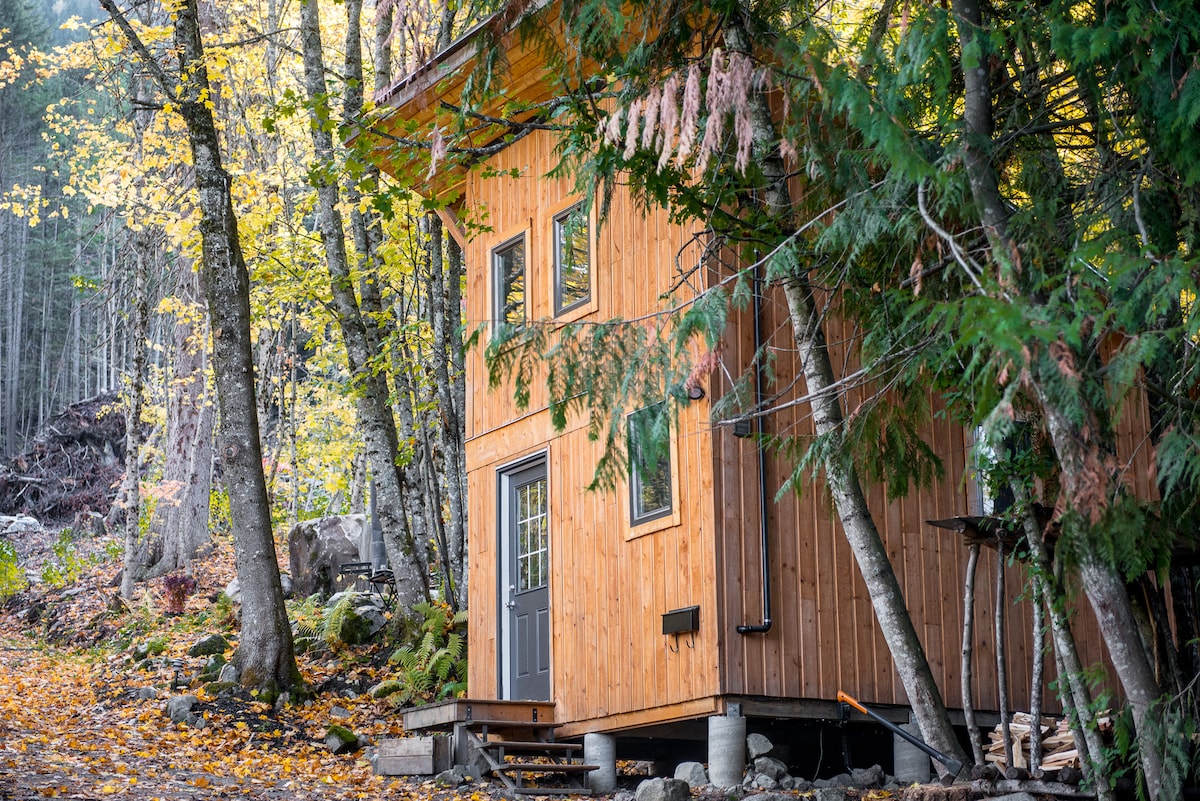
(662, 789)
(317, 548)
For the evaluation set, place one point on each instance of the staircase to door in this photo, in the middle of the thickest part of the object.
(513, 739)
(526, 758)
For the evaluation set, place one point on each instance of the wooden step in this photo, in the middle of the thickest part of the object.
(550, 790)
(513, 725)
(544, 767)
(527, 747)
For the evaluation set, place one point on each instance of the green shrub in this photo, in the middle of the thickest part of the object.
(12, 578)
(65, 565)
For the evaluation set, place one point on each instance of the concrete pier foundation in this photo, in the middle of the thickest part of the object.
(726, 750)
(601, 750)
(911, 763)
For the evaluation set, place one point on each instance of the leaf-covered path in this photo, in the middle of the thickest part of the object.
(71, 727)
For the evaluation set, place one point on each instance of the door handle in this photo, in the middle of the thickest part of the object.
(512, 590)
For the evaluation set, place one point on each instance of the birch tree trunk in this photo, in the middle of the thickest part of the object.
(179, 525)
(404, 551)
(1076, 437)
(968, 652)
(134, 391)
(857, 523)
(265, 654)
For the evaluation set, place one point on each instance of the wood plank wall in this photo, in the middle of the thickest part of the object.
(609, 656)
(608, 653)
(825, 637)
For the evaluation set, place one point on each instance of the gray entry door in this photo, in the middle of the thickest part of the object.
(525, 596)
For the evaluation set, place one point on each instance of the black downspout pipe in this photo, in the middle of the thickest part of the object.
(763, 531)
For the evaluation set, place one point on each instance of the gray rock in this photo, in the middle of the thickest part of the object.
(233, 591)
(357, 626)
(179, 707)
(765, 782)
(829, 794)
(449, 778)
(758, 745)
(373, 615)
(317, 548)
(19, 524)
(1022, 796)
(693, 773)
(787, 783)
(770, 797)
(660, 789)
(212, 668)
(770, 766)
(140, 651)
(841, 780)
(385, 688)
(229, 674)
(341, 712)
(624, 795)
(340, 740)
(873, 776)
(821, 784)
(209, 645)
(800, 785)
(289, 586)
(146, 694)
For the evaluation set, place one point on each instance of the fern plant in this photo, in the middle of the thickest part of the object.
(435, 666)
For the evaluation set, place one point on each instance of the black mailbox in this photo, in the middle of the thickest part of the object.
(681, 621)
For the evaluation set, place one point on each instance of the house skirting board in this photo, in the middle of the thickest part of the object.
(663, 719)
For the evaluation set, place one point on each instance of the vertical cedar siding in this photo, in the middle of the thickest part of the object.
(608, 590)
(824, 636)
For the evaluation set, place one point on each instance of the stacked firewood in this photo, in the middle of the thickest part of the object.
(1058, 742)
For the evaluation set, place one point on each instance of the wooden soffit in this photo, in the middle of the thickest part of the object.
(402, 128)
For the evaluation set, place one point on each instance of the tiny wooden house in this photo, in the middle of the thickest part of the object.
(639, 612)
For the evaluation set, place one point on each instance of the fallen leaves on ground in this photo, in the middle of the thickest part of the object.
(72, 725)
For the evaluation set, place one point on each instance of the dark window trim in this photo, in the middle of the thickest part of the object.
(556, 224)
(497, 282)
(635, 482)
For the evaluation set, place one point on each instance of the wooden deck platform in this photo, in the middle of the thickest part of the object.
(443, 715)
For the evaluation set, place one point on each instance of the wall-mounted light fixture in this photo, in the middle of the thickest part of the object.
(695, 392)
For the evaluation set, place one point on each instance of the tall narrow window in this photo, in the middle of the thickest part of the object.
(572, 260)
(649, 463)
(508, 266)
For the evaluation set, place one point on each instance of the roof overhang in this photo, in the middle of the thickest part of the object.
(418, 108)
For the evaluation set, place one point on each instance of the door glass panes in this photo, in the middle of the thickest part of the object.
(532, 536)
(650, 463)
(572, 264)
(508, 261)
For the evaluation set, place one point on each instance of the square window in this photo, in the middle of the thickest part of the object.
(572, 259)
(508, 272)
(649, 463)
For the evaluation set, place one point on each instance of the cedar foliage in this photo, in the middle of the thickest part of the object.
(1005, 200)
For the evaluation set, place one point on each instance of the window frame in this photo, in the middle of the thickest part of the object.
(498, 284)
(557, 224)
(651, 519)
